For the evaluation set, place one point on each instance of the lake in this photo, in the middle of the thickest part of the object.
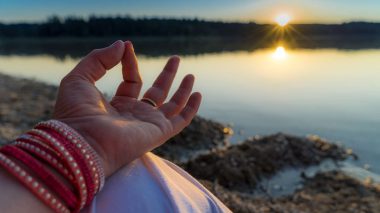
(334, 93)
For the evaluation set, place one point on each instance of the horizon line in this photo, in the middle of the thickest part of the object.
(42, 20)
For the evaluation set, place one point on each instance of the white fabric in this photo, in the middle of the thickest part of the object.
(152, 184)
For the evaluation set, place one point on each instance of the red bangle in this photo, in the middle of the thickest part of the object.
(33, 141)
(79, 158)
(44, 174)
(91, 157)
(65, 151)
(43, 154)
(67, 157)
(33, 185)
(38, 141)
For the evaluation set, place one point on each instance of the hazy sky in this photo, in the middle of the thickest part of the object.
(304, 11)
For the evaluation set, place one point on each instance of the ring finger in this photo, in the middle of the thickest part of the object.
(180, 97)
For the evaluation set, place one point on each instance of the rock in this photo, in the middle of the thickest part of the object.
(235, 167)
(326, 192)
(228, 131)
(368, 181)
(325, 147)
(349, 151)
(200, 137)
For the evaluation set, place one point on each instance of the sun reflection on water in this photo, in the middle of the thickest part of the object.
(280, 53)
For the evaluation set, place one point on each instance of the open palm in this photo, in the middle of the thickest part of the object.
(125, 128)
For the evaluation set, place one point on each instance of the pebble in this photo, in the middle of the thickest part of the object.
(349, 151)
(228, 131)
(368, 181)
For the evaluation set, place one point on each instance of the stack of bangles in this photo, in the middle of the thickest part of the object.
(56, 164)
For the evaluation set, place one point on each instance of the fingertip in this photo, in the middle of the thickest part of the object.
(129, 51)
(175, 58)
(189, 77)
(195, 100)
(197, 95)
(128, 44)
(118, 47)
(172, 64)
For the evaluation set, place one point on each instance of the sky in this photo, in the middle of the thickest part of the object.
(261, 11)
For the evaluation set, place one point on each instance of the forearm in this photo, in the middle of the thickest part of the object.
(51, 165)
(14, 197)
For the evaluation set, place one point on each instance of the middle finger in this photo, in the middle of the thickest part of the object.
(161, 86)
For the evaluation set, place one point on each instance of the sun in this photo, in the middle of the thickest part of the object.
(283, 19)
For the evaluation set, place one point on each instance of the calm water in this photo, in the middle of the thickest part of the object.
(328, 92)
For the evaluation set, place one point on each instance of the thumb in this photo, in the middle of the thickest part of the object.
(97, 62)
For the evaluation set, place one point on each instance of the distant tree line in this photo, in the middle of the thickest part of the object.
(125, 26)
(345, 29)
(96, 26)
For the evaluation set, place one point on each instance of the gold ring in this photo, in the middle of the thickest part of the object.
(149, 101)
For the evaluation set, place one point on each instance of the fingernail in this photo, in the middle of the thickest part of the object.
(114, 43)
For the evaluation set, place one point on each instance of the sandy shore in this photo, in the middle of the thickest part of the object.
(234, 173)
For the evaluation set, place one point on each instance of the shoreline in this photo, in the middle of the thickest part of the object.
(234, 173)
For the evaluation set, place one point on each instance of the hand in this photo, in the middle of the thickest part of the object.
(125, 128)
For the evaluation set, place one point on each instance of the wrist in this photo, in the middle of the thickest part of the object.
(82, 128)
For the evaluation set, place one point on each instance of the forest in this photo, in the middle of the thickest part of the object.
(103, 26)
